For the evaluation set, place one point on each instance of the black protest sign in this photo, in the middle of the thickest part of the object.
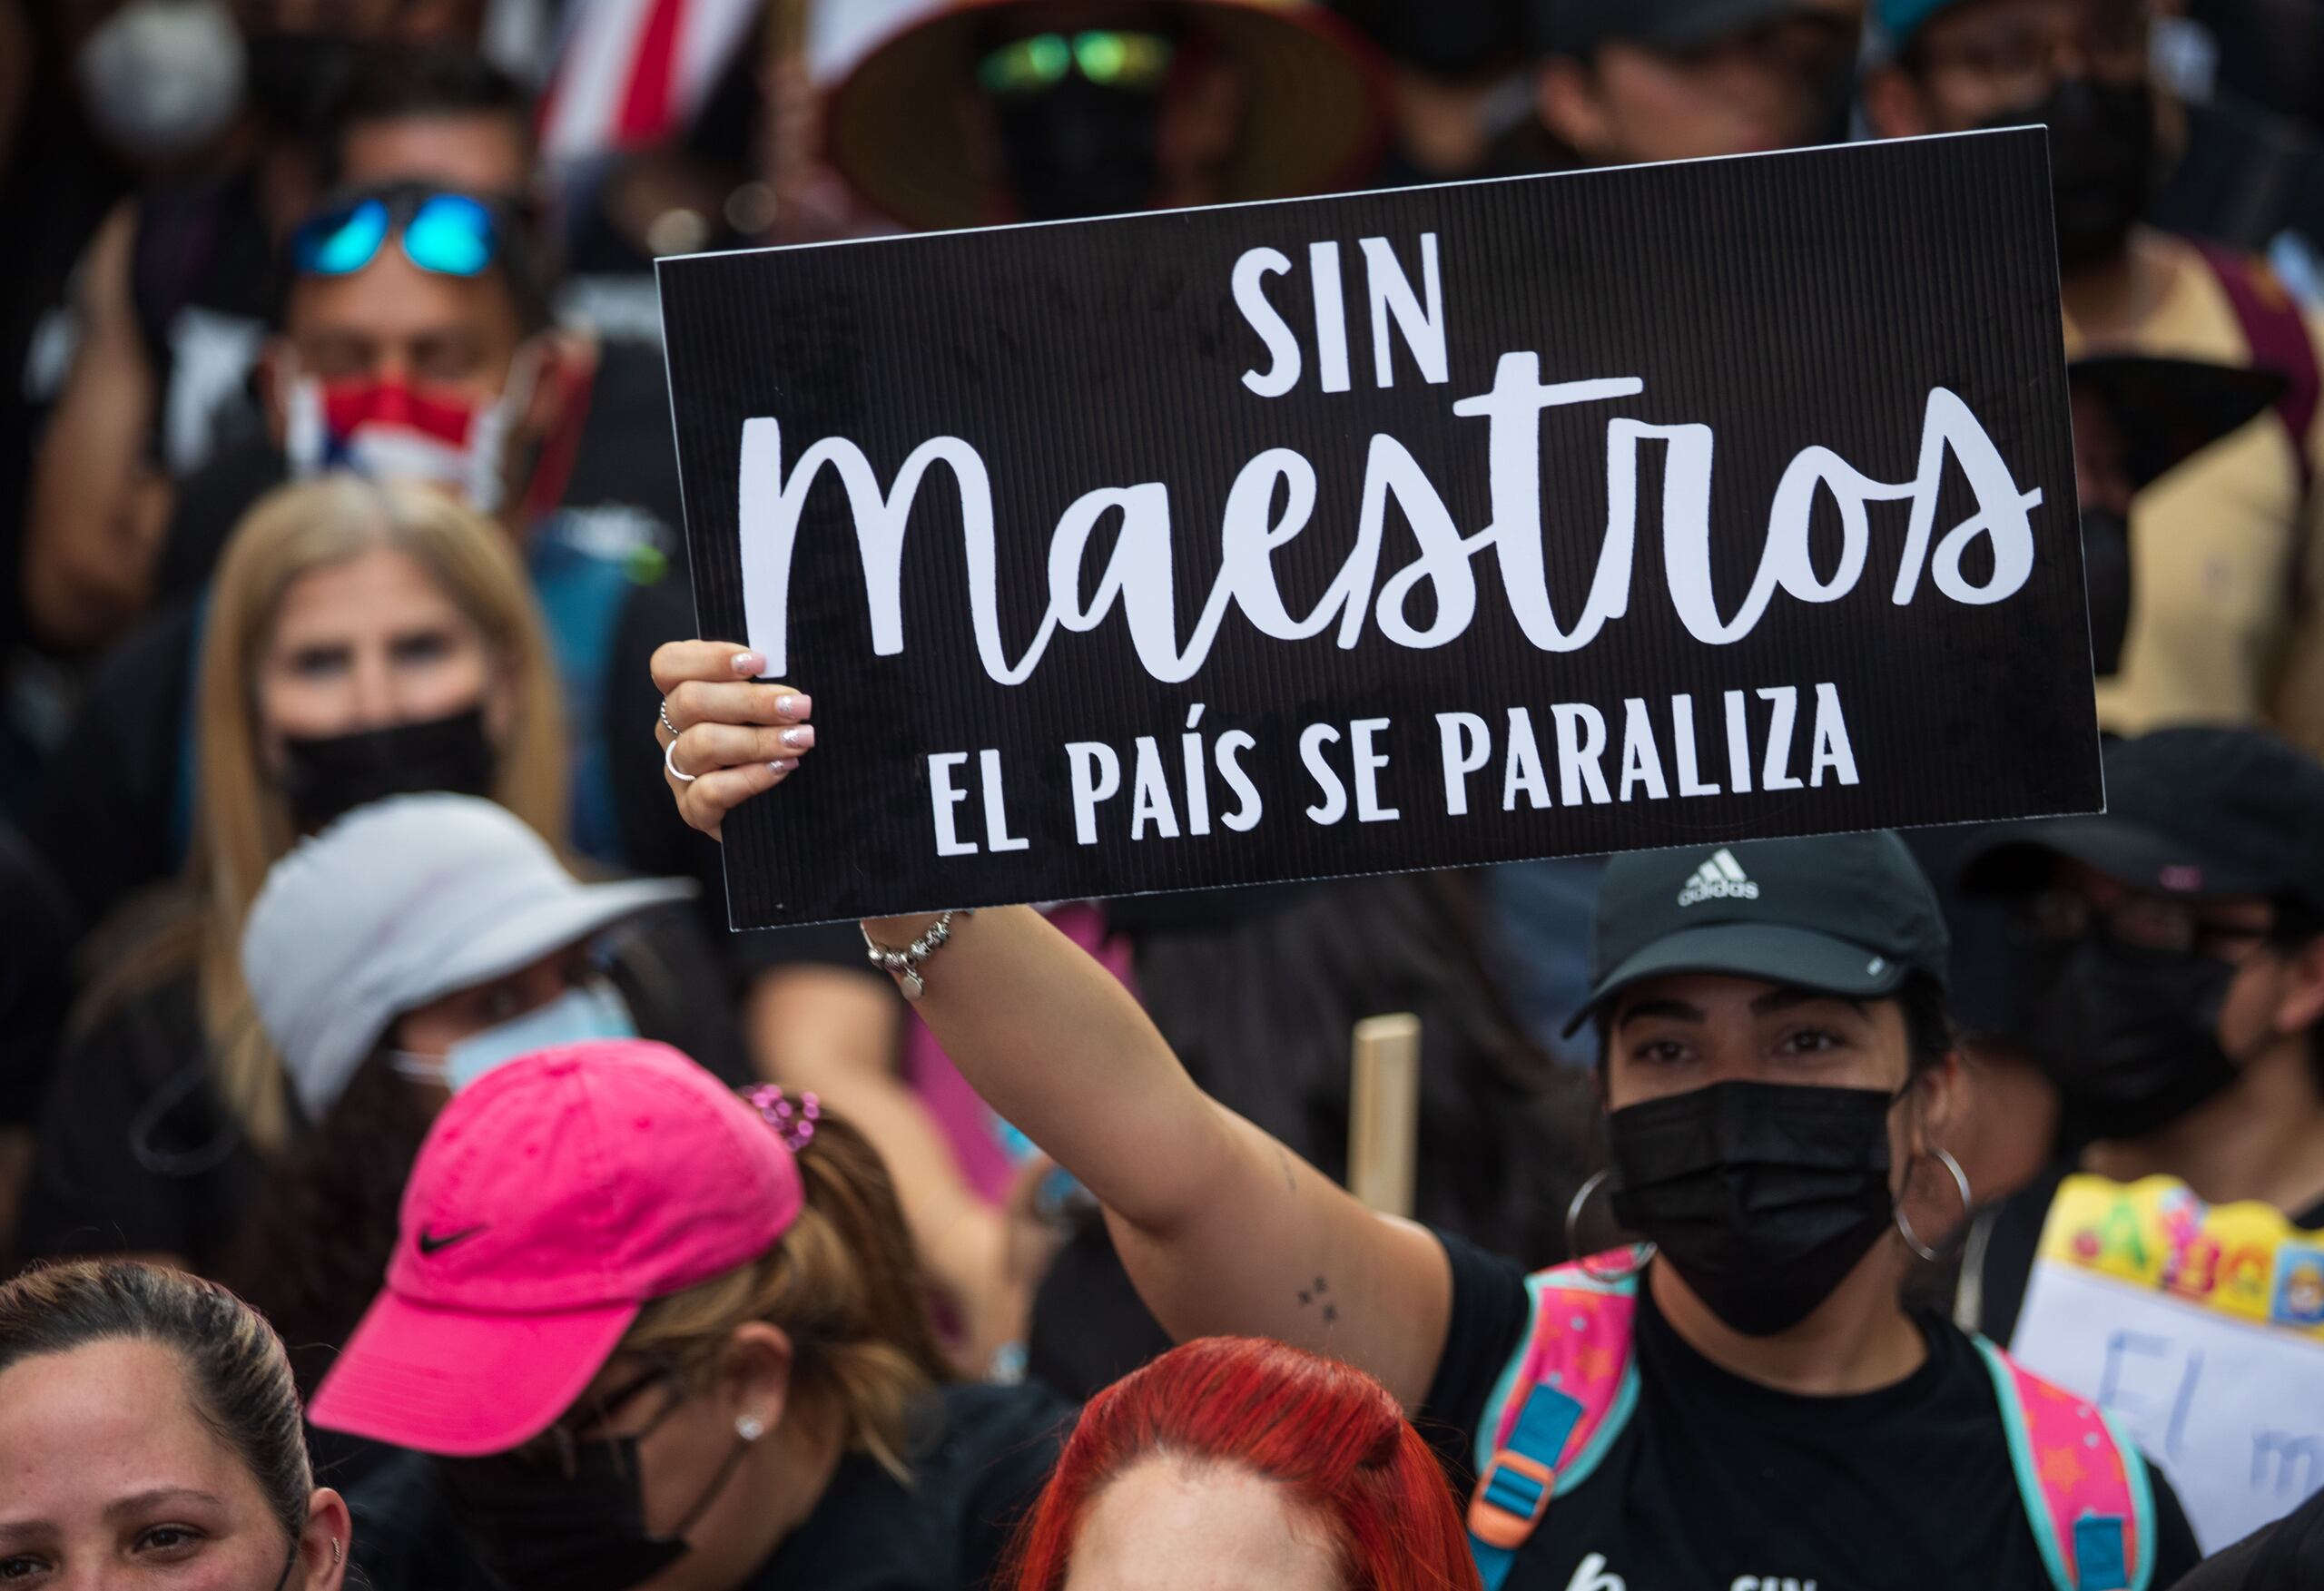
(1409, 529)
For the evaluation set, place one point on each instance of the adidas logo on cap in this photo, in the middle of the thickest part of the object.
(1721, 878)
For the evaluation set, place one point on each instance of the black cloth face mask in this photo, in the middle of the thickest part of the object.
(327, 776)
(2129, 1035)
(536, 1528)
(2103, 164)
(1079, 149)
(1762, 1195)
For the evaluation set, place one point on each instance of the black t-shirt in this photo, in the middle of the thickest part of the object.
(978, 1461)
(2013, 1233)
(979, 1470)
(1718, 1482)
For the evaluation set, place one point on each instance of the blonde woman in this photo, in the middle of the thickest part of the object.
(361, 640)
(650, 1333)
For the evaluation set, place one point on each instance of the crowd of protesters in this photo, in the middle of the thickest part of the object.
(408, 1180)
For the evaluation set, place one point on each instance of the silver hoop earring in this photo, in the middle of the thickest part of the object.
(1961, 1186)
(1639, 1253)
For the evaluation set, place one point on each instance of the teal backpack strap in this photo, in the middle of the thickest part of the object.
(1560, 1403)
(2085, 1487)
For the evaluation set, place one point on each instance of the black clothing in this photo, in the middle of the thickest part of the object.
(2286, 1555)
(980, 1458)
(107, 838)
(2012, 1234)
(1088, 1327)
(626, 454)
(1719, 1481)
(36, 930)
(202, 284)
(139, 1152)
(208, 505)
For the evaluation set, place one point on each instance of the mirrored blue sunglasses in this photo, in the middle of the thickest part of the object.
(450, 234)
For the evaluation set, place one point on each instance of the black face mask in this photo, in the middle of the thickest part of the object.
(2131, 1037)
(2102, 163)
(1079, 149)
(294, 77)
(337, 773)
(2106, 575)
(536, 1529)
(1762, 1195)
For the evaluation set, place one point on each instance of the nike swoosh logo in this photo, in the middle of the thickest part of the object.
(429, 1244)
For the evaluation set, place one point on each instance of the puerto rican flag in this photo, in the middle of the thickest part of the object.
(635, 72)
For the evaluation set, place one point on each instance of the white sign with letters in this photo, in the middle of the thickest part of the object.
(2208, 1361)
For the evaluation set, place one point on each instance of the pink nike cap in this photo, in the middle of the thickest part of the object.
(552, 1199)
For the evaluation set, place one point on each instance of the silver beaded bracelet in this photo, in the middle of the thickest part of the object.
(904, 965)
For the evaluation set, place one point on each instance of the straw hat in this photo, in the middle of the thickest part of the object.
(1313, 106)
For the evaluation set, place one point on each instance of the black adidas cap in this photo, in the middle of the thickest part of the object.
(2196, 812)
(1843, 914)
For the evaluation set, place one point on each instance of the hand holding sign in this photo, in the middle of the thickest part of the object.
(725, 735)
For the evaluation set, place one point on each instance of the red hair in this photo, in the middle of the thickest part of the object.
(1333, 1437)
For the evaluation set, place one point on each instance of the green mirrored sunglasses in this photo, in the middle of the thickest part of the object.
(1109, 57)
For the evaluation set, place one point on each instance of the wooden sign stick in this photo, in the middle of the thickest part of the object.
(1383, 1118)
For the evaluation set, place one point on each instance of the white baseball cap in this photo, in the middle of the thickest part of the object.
(400, 903)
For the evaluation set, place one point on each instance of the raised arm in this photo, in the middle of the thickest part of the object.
(1222, 1228)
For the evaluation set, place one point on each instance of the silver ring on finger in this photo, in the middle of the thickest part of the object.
(666, 719)
(670, 765)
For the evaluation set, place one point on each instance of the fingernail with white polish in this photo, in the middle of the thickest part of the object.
(800, 739)
(749, 663)
(785, 765)
(793, 706)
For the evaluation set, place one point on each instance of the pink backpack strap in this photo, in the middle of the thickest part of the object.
(2086, 1488)
(2276, 334)
(1559, 1404)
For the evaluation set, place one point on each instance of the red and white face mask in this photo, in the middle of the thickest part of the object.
(388, 430)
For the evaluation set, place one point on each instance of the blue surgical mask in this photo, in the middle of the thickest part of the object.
(593, 1010)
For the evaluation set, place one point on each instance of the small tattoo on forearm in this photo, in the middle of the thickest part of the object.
(1283, 1159)
(1318, 1294)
